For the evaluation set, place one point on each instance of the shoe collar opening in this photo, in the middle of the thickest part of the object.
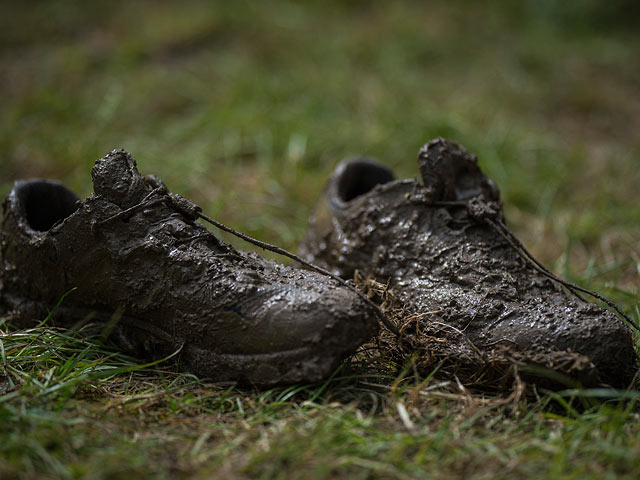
(357, 176)
(43, 203)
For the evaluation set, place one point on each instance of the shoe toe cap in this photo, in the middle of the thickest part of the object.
(285, 334)
(585, 329)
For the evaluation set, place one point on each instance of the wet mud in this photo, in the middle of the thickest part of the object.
(133, 252)
(466, 295)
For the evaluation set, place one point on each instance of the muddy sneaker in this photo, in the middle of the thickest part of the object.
(447, 255)
(133, 252)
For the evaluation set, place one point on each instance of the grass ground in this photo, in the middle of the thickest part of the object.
(245, 108)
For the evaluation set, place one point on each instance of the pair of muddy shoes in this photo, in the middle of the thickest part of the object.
(134, 256)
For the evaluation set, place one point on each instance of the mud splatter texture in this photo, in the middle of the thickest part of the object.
(173, 284)
(456, 271)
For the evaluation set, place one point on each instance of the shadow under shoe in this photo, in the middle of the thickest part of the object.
(134, 248)
(457, 274)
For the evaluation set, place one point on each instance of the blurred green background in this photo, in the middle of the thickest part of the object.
(246, 107)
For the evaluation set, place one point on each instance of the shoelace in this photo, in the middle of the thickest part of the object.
(489, 213)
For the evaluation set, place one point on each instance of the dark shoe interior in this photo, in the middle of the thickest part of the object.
(45, 202)
(360, 176)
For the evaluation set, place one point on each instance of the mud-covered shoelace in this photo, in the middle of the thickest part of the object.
(489, 213)
(192, 212)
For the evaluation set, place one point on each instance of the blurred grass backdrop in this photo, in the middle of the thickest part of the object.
(246, 107)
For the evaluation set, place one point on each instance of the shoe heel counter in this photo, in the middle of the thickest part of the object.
(28, 256)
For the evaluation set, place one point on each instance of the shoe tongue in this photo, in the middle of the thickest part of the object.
(452, 173)
(116, 177)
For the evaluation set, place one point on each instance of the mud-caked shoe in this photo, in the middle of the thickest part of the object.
(132, 253)
(443, 248)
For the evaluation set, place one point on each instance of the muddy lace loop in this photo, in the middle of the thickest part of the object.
(181, 205)
(146, 202)
(184, 206)
(481, 210)
(489, 212)
(192, 212)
